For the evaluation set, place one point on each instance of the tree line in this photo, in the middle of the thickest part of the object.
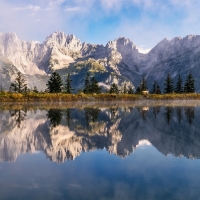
(91, 85)
(179, 88)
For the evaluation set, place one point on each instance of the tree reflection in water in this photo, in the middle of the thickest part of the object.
(168, 114)
(143, 111)
(189, 112)
(68, 116)
(156, 111)
(19, 116)
(55, 116)
(91, 114)
(179, 114)
(117, 129)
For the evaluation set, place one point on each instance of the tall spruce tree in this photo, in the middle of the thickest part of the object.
(158, 89)
(114, 89)
(125, 90)
(19, 85)
(168, 85)
(54, 85)
(35, 89)
(143, 85)
(87, 85)
(179, 85)
(130, 90)
(153, 91)
(94, 86)
(67, 87)
(189, 84)
(138, 90)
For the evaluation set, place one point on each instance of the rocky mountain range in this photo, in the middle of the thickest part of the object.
(119, 61)
(64, 134)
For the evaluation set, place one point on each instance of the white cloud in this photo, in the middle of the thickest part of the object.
(145, 3)
(28, 7)
(56, 2)
(112, 4)
(72, 9)
(153, 23)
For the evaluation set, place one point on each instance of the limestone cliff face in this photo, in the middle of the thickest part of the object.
(122, 62)
(63, 53)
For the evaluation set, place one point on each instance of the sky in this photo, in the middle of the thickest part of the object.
(145, 22)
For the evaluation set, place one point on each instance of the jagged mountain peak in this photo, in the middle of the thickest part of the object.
(120, 56)
(121, 42)
(59, 36)
(175, 45)
(62, 40)
(9, 35)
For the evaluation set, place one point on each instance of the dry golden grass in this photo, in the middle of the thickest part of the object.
(61, 97)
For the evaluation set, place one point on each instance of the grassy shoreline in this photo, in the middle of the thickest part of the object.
(60, 97)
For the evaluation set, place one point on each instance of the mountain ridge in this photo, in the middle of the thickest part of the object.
(120, 58)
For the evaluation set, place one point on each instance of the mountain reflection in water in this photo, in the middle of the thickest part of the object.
(62, 134)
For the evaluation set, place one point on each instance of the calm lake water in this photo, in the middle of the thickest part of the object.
(100, 152)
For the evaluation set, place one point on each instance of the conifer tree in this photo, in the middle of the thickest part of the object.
(67, 87)
(189, 84)
(94, 86)
(168, 85)
(125, 90)
(54, 85)
(138, 90)
(179, 85)
(86, 89)
(19, 85)
(158, 89)
(35, 89)
(114, 89)
(153, 91)
(143, 85)
(1, 89)
(130, 90)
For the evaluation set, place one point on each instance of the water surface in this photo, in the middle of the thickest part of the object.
(102, 152)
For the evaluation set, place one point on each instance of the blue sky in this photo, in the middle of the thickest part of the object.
(145, 22)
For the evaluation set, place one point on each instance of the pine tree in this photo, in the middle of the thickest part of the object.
(179, 85)
(158, 89)
(153, 91)
(19, 85)
(94, 86)
(130, 90)
(189, 84)
(143, 85)
(1, 89)
(35, 89)
(125, 90)
(86, 89)
(54, 85)
(138, 90)
(168, 85)
(114, 89)
(67, 87)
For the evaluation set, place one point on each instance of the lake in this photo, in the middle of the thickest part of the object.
(100, 151)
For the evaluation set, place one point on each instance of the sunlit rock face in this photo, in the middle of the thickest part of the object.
(176, 56)
(117, 62)
(120, 131)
